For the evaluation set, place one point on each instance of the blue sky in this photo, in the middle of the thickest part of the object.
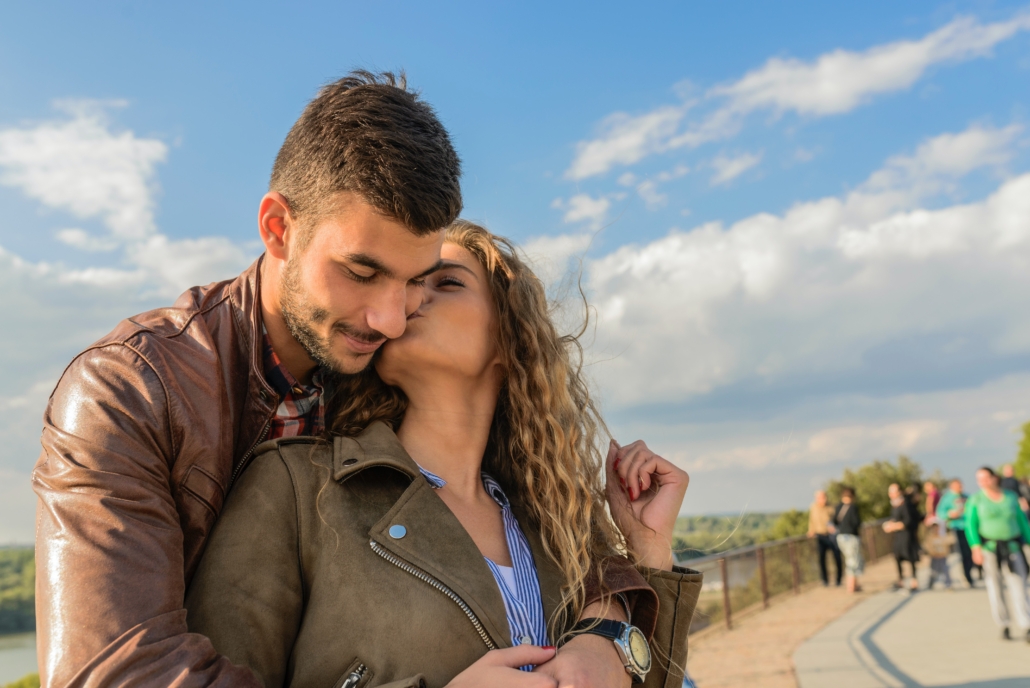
(803, 225)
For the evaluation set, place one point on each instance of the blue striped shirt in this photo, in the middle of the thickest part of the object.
(523, 605)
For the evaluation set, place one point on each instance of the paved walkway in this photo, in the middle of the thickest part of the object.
(932, 638)
(757, 652)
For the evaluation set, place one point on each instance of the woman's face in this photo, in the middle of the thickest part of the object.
(453, 332)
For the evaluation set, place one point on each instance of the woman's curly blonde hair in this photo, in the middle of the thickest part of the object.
(544, 442)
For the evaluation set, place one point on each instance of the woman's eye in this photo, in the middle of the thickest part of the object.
(450, 282)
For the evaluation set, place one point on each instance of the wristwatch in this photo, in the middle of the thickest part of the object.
(630, 643)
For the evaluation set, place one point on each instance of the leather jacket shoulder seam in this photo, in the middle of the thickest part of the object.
(197, 313)
(168, 400)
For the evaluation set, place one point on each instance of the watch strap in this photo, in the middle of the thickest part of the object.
(606, 628)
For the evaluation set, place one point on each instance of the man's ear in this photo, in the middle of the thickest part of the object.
(275, 224)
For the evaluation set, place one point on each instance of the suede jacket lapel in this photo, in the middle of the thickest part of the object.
(433, 539)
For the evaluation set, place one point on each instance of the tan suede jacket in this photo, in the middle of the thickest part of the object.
(303, 582)
(142, 440)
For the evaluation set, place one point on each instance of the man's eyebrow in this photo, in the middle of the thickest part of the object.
(368, 261)
(438, 265)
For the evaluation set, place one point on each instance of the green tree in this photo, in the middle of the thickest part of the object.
(789, 524)
(30, 681)
(1022, 463)
(871, 481)
(17, 590)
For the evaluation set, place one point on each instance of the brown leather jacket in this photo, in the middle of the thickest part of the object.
(142, 439)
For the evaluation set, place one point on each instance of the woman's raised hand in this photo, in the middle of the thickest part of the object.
(500, 669)
(645, 493)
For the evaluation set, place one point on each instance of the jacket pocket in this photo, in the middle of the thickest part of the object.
(357, 675)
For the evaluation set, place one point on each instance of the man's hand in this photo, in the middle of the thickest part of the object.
(978, 556)
(587, 661)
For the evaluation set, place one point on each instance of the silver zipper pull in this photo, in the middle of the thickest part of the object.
(354, 678)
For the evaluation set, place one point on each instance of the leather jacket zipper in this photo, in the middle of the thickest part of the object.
(354, 678)
(426, 578)
(250, 452)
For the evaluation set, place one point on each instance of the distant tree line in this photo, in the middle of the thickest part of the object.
(17, 590)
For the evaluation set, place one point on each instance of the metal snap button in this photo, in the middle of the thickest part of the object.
(525, 640)
(397, 531)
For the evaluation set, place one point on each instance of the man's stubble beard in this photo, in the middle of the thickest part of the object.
(299, 316)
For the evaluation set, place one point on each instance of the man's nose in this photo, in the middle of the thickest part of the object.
(389, 315)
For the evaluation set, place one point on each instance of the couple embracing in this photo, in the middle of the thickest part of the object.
(370, 460)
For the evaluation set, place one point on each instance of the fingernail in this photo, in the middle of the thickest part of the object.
(621, 480)
(615, 466)
(547, 647)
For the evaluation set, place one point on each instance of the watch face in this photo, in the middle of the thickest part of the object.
(639, 651)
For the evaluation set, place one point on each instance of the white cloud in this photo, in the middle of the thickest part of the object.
(81, 166)
(84, 241)
(831, 84)
(625, 139)
(813, 294)
(841, 80)
(727, 169)
(584, 208)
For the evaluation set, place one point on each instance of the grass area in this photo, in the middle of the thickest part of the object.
(17, 590)
(30, 681)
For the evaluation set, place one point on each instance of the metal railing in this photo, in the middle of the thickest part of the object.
(745, 579)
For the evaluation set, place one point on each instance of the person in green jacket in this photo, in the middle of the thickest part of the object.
(951, 512)
(997, 528)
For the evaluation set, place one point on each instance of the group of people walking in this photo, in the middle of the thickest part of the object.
(989, 529)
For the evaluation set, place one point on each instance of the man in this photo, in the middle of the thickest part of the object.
(821, 527)
(149, 427)
(951, 512)
(997, 529)
(1018, 487)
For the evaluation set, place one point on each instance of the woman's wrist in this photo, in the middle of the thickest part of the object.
(654, 552)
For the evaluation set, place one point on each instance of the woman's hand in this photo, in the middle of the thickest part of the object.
(645, 493)
(500, 669)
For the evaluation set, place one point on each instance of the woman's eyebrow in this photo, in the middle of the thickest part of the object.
(445, 264)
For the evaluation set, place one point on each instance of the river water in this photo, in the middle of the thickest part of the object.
(17, 656)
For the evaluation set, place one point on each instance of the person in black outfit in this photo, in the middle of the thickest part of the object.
(848, 524)
(904, 523)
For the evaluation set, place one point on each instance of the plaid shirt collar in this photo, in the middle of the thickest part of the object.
(300, 411)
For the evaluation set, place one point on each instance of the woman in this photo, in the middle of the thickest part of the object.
(404, 558)
(849, 525)
(904, 523)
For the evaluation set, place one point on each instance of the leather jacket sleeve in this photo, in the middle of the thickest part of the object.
(109, 544)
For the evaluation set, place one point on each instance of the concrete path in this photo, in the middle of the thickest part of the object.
(932, 638)
(757, 652)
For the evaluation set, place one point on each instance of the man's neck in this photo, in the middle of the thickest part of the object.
(287, 348)
(446, 429)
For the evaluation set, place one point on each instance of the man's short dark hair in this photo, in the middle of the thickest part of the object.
(368, 134)
(847, 492)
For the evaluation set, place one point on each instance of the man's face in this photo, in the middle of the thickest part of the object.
(956, 486)
(353, 285)
(820, 498)
(1007, 470)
